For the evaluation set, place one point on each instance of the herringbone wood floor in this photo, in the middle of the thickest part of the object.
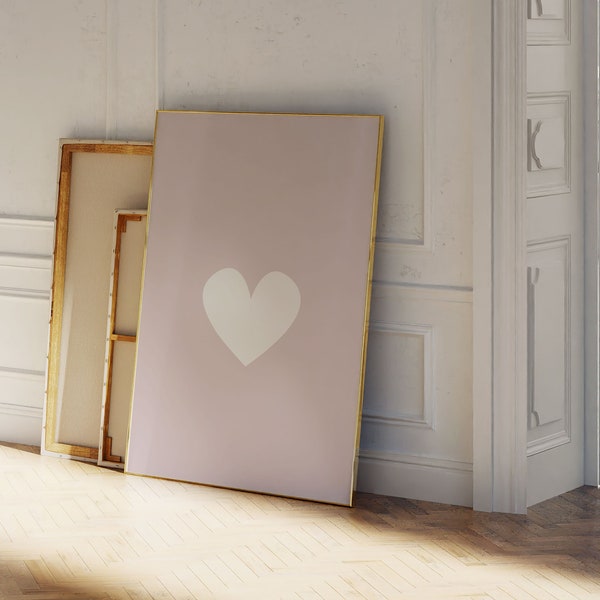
(72, 530)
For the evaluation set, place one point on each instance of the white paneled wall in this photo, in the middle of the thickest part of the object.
(99, 69)
(53, 65)
(417, 428)
(71, 69)
(25, 280)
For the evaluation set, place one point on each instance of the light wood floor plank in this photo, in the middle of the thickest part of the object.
(72, 530)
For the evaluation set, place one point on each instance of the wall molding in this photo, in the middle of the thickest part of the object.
(21, 373)
(429, 62)
(23, 293)
(439, 293)
(422, 461)
(11, 220)
(25, 261)
(397, 418)
(429, 86)
(555, 33)
(591, 133)
(547, 441)
(16, 410)
(20, 424)
(509, 340)
(500, 307)
(26, 248)
(159, 92)
(409, 476)
(26, 236)
(112, 52)
(25, 275)
(22, 393)
(561, 101)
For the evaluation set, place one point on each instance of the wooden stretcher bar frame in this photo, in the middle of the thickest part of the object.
(105, 454)
(67, 148)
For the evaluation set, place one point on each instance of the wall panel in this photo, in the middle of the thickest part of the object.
(53, 61)
(399, 374)
(25, 279)
(414, 451)
(549, 316)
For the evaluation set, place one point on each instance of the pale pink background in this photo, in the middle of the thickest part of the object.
(257, 193)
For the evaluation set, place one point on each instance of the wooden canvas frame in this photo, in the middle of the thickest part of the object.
(51, 443)
(241, 202)
(106, 457)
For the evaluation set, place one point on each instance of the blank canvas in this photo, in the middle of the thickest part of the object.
(95, 179)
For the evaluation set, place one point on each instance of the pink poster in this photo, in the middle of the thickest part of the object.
(251, 342)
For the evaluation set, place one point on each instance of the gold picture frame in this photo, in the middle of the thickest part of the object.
(253, 325)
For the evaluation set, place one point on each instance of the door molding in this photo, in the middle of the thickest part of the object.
(499, 279)
(591, 27)
(499, 247)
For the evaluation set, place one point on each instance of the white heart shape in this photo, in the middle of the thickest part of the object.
(250, 324)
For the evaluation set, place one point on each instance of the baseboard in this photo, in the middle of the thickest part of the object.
(21, 419)
(24, 425)
(416, 477)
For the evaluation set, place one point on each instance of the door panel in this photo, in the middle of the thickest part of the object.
(554, 249)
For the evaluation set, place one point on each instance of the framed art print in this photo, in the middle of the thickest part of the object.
(253, 324)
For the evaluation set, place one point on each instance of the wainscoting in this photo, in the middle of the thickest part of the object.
(25, 281)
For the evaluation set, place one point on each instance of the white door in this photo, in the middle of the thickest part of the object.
(554, 248)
